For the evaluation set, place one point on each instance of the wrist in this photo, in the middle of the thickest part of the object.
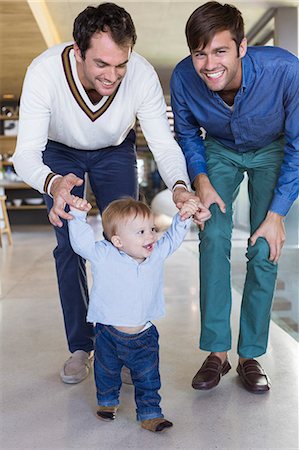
(179, 195)
(275, 216)
(180, 184)
(50, 182)
(199, 180)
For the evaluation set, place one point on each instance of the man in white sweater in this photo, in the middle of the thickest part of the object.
(78, 109)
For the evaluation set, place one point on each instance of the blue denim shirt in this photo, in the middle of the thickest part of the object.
(266, 108)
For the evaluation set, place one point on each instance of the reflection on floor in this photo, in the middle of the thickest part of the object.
(40, 412)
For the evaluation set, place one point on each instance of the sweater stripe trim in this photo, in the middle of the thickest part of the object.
(74, 90)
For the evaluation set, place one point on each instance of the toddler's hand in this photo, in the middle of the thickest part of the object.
(188, 209)
(80, 203)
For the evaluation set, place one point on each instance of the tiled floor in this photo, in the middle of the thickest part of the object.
(40, 412)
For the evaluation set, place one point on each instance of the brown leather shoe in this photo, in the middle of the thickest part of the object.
(253, 376)
(210, 373)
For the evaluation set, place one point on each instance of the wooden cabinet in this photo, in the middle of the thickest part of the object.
(24, 204)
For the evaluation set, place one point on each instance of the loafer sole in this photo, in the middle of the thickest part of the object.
(79, 376)
(74, 379)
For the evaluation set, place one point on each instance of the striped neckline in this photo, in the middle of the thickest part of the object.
(93, 115)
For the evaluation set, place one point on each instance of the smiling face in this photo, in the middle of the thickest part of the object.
(136, 237)
(219, 64)
(104, 66)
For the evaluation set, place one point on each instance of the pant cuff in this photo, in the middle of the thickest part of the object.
(108, 403)
(149, 415)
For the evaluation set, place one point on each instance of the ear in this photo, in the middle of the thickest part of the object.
(77, 52)
(116, 241)
(243, 48)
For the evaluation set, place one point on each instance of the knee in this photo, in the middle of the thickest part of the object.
(259, 253)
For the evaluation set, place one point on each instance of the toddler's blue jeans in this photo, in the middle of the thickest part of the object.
(139, 353)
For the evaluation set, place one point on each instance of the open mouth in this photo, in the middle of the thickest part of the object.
(214, 75)
(108, 84)
(149, 247)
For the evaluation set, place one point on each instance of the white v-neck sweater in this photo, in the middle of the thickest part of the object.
(54, 105)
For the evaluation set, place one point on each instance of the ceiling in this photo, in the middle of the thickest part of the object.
(20, 42)
(160, 30)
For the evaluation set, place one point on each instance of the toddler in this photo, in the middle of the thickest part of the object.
(126, 296)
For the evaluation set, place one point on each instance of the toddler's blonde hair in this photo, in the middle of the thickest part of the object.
(120, 211)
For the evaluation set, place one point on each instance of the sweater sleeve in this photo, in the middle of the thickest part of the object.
(32, 138)
(155, 127)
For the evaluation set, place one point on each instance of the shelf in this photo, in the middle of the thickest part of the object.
(4, 137)
(7, 144)
(25, 213)
(25, 207)
(6, 184)
(8, 118)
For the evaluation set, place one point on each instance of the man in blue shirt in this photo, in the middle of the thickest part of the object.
(247, 101)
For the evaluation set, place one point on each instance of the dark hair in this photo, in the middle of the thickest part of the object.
(209, 19)
(105, 17)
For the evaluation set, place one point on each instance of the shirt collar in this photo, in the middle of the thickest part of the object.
(129, 258)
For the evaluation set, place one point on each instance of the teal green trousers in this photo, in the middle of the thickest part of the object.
(226, 170)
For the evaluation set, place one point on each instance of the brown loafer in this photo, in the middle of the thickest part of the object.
(210, 373)
(253, 377)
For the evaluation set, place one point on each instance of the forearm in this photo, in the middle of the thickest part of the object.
(194, 152)
(81, 235)
(175, 235)
(156, 129)
(187, 130)
(32, 133)
(29, 166)
(169, 158)
(172, 166)
(287, 187)
(202, 186)
(200, 180)
(274, 218)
